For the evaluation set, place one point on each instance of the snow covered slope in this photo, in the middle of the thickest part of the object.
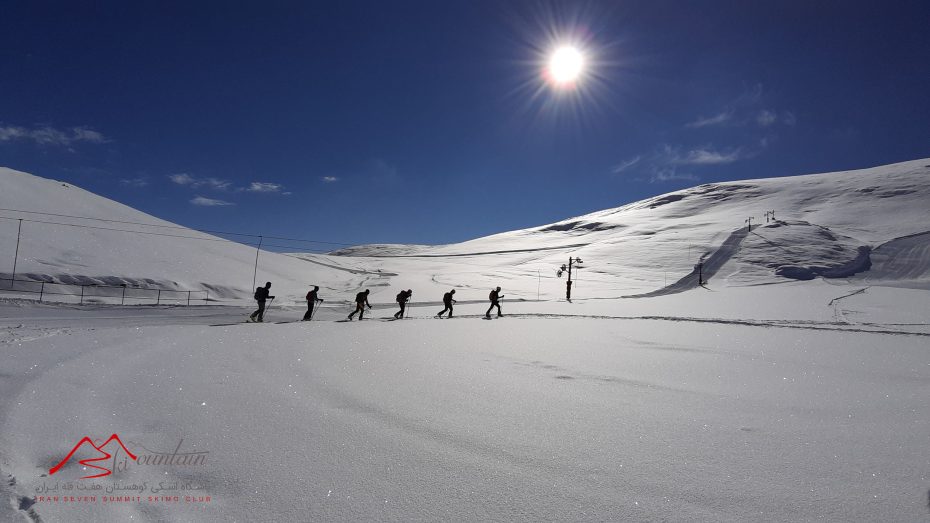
(869, 224)
(153, 253)
(824, 225)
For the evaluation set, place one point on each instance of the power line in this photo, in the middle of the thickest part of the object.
(112, 229)
(124, 230)
(208, 231)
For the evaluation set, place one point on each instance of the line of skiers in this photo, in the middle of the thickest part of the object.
(262, 294)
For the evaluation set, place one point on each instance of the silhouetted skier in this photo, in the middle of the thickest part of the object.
(447, 301)
(361, 300)
(495, 297)
(402, 299)
(568, 290)
(311, 301)
(261, 294)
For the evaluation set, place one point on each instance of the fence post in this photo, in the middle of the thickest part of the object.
(257, 251)
(188, 298)
(206, 297)
(41, 291)
(82, 295)
(123, 299)
(158, 298)
(16, 256)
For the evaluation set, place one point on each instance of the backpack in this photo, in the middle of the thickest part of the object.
(492, 296)
(258, 293)
(401, 297)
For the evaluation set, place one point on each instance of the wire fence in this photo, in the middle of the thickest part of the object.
(46, 291)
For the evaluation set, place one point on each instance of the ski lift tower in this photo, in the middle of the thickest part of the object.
(572, 262)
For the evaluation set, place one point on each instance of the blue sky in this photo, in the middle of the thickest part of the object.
(429, 121)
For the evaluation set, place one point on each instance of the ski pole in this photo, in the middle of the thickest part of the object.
(317, 306)
(268, 307)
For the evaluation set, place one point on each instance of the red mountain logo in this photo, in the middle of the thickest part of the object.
(87, 462)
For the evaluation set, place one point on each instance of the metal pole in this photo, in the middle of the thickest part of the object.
(82, 295)
(41, 291)
(206, 297)
(16, 256)
(158, 297)
(123, 299)
(257, 250)
(188, 298)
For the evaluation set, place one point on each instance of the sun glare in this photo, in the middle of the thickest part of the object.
(566, 65)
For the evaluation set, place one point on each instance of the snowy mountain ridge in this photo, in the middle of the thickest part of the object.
(821, 225)
(868, 223)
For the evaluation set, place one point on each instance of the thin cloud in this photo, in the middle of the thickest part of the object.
(142, 181)
(195, 183)
(719, 119)
(219, 184)
(623, 166)
(265, 187)
(209, 202)
(747, 109)
(670, 174)
(708, 156)
(181, 179)
(50, 136)
(329, 179)
(766, 118)
(664, 164)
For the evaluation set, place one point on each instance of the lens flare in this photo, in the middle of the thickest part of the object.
(566, 65)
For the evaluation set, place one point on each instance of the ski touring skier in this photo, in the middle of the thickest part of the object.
(261, 295)
(402, 298)
(447, 301)
(312, 300)
(361, 300)
(495, 298)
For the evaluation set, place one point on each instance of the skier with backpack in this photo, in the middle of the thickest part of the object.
(361, 300)
(261, 294)
(312, 300)
(495, 298)
(447, 301)
(402, 298)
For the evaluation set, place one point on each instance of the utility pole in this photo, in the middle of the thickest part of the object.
(257, 250)
(576, 262)
(749, 221)
(19, 232)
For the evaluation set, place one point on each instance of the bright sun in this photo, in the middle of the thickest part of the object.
(566, 65)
